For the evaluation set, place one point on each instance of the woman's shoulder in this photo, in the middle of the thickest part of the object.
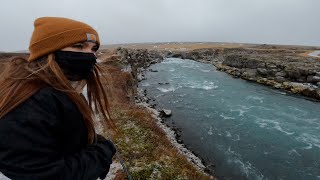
(45, 102)
(51, 94)
(48, 99)
(49, 91)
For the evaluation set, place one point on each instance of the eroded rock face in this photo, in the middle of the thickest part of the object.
(242, 61)
(137, 60)
(207, 54)
(139, 57)
(274, 68)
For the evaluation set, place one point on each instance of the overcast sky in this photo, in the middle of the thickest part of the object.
(136, 21)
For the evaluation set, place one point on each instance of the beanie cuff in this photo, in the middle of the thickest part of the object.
(60, 40)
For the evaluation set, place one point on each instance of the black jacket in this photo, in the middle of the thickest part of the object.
(45, 138)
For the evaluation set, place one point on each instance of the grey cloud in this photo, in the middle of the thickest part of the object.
(128, 21)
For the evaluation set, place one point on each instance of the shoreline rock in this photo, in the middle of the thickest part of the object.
(172, 134)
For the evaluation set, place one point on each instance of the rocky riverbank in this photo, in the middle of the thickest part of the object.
(285, 68)
(161, 136)
(136, 62)
(282, 67)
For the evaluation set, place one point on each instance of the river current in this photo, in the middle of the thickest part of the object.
(242, 129)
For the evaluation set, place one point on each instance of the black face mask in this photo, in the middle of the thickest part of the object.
(76, 65)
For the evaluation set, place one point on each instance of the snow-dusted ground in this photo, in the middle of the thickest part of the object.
(315, 54)
(115, 166)
(3, 177)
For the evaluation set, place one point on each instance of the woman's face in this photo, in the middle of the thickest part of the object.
(85, 47)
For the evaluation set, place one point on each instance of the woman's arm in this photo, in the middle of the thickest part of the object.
(94, 160)
(31, 146)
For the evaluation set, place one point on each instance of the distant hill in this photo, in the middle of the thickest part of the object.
(6, 56)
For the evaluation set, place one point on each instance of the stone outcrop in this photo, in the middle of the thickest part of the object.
(207, 54)
(137, 60)
(282, 69)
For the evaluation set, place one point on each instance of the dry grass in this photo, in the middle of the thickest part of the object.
(177, 46)
(120, 84)
(173, 46)
(146, 150)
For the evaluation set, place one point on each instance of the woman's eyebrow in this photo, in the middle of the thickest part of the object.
(82, 43)
(88, 43)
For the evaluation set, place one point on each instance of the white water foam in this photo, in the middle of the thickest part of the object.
(309, 139)
(205, 70)
(226, 117)
(237, 138)
(255, 98)
(245, 167)
(176, 101)
(145, 84)
(200, 85)
(191, 66)
(172, 61)
(210, 131)
(267, 123)
(169, 89)
(263, 125)
(292, 152)
(241, 111)
(228, 134)
(312, 122)
(182, 95)
(159, 95)
(279, 128)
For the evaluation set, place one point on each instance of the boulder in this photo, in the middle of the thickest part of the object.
(280, 79)
(281, 74)
(313, 79)
(165, 113)
(277, 86)
(163, 83)
(302, 79)
(272, 72)
(152, 70)
(262, 71)
(293, 74)
(310, 92)
(249, 74)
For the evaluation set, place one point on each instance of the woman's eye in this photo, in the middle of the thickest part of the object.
(95, 49)
(78, 46)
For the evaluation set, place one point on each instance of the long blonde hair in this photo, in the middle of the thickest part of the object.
(21, 79)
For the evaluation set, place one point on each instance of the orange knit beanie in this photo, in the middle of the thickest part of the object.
(53, 33)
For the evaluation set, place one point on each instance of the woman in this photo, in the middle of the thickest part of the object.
(46, 125)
